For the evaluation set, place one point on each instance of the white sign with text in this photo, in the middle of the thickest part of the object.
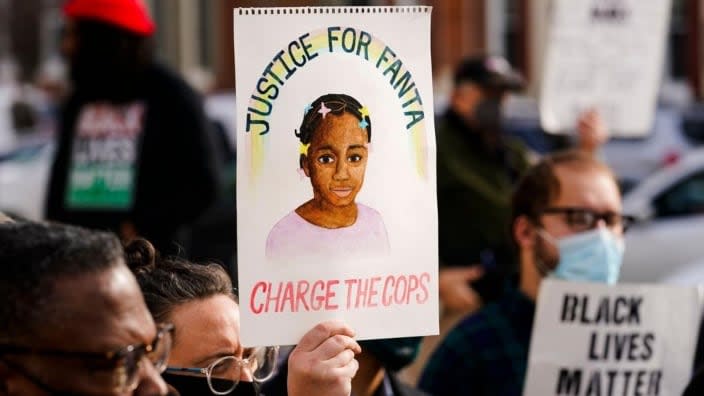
(607, 55)
(336, 205)
(625, 340)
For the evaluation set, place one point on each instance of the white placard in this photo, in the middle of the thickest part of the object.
(594, 339)
(302, 257)
(607, 55)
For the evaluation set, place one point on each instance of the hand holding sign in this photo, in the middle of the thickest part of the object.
(592, 131)
(324, 360)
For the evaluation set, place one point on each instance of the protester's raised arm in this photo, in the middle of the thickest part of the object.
(592, 131)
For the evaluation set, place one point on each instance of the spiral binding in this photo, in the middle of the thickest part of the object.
(333, 10)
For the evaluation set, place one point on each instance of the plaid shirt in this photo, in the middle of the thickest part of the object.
(486, 354)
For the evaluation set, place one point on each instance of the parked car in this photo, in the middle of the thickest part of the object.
(675, 131)
(24, 175)
(7, 131)
(221, 108)
(633, 159)
(688, 275)
(669, 234)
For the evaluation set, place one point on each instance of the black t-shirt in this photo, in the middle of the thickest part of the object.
(148, 159)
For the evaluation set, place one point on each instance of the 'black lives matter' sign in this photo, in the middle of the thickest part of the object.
(592, 339)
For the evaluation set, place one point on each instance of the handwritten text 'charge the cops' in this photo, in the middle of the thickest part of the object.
(322, 295)
(348, 40)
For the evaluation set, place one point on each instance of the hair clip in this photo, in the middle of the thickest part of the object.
(303, 148)
(323, 109)
(307, 109)
(363, 124)
(364, 111)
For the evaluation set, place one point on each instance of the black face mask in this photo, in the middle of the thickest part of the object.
(394, 353)
(488, 115)
(188, 385)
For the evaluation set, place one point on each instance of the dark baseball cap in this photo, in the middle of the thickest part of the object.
(491, 71)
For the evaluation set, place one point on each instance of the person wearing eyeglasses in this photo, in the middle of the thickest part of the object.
(478, 166)
(567, 223)
(207, 356)
(73, 320)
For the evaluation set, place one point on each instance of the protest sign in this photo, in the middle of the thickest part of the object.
(607, 55)
(336, 211)
(594, 339)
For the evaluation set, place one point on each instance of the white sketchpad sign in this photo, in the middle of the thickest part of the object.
(336, 204)
(593, 339)
(606, 55)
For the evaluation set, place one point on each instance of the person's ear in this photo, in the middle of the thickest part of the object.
(524, 232)
(304, 165)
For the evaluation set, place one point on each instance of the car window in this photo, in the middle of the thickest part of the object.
(684, 198)
(23, 154)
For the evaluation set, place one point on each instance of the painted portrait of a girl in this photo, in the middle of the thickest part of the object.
(335, 137)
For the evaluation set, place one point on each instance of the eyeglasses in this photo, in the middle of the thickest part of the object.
(261, 363)
(125, 362)
(582, 219)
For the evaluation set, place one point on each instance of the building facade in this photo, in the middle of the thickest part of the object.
(195, 37)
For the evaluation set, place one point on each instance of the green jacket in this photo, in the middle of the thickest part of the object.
(474, 195)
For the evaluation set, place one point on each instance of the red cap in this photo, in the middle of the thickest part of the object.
(130, 15)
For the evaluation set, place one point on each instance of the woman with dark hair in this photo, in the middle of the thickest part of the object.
(334, 145)
(207, 357)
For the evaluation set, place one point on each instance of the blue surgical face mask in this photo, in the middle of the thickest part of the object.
(591, 256)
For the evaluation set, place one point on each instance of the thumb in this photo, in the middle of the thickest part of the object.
(473, 273)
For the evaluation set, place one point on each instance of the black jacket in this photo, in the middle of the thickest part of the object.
(176, 174)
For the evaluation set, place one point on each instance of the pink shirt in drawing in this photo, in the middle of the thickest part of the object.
(294, 237)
